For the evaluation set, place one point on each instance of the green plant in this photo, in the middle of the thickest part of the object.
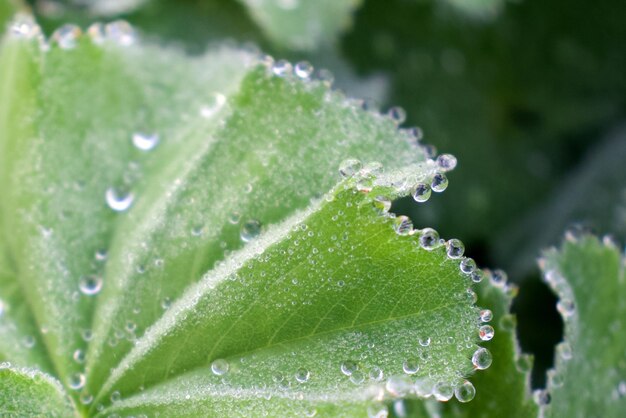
(213, 234)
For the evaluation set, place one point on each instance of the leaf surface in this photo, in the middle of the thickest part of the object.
(589, 378)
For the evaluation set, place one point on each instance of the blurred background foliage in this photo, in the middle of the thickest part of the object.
(530, 95)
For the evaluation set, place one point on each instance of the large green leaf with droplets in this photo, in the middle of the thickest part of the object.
(589, 378)
(167, 224)
(29, 392)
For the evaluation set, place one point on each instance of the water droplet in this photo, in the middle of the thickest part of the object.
(555, 379)
(76, 381)
(302, 375)
(357, 377)
(66, 36)
(90, 285)
(25, 27)
(439, 183)
(29, 341)
(398, 386)
(303, 70)
(566, 307)
(2, 308)
(455, 248)
(166, 303)
(446, 162)
(482, 359)
(377, 411)
(424, 387)
(467, 265)
(219, 367)
(79, 356)
(429, 239)
(101, 255)
(144, 141)
(382, 204)
(621, 388)
(282, 68)
(424, 342)
(486, 332)
(402, 225)
(564, 350)
(465, 392)
(410, 367)
(541, 397)
(349, 167)
(348, 367)
(215, 103)
(397, 114)
(116, 397)
(326, 77)
(376, 374)
(250, 230)
(498, 278)
(121, 32)
(477, 276)
(421, 193)
(86, 398)
(96, 33)
(443, 391)
(485, 315)
(119, 200)
(87, 335)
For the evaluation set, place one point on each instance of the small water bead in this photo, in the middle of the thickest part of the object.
(486, 332)
(376, 374)
(424, 387)
(349, 167)
(382, 204)
(66, 36)
(477, 276)
(220, 367)
(541, 397)
(115, 397)
(101, 255)
(410, 367)
(455, 248)
(439, 183)
(119, 200)
(29, 341)
(144, 141)
(90, 285)
(79, 356)
(621, 388)
(357, 377)
(76, 381)
(443, 391)
(96, 33)
(566, 307)
(397, 114)
(498, 278)
(467, 265)
(465, 392)
(326, 76)
(303, 70)
(564, 350)
(348, 367)
(281, 68)
(120, 32)
(555, 379)
(215, 104)
(2, 308)
(25, 27)
(250, 230)
(86, 398)
(424, 342)
(446, 162)
(471, 296)
(485, 315)
(481, 359)
(402, 225)
(303, 375)
(399, 386)
(377, 411)
(421, 193)
(429, 239)
(87, 335)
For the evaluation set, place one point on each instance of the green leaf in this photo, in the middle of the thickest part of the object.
(332, 285)
(214, 151)
(28, 392)
(504, 389)
(589, 378)
(302, 25)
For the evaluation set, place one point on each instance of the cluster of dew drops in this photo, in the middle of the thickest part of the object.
(121, 199)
